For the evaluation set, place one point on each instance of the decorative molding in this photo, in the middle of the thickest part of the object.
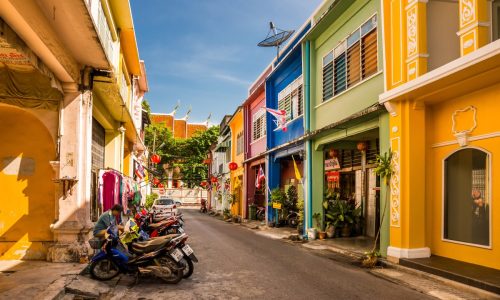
(467, 12)
(408, 253)
(417, 55)
(472, 26)
(395, 183)
(470, 139)
(411, 32)
(462, 136)
(390, 108)
(413, 2)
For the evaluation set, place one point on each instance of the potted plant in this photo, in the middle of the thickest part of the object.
(321, 233)
(343, 215)
(227, 214)
(328, 205)
(385, 171)
(278, 196)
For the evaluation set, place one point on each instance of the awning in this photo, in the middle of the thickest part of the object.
(288, 151)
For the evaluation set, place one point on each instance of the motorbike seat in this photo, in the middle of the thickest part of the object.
(159, 224)
(150, 245)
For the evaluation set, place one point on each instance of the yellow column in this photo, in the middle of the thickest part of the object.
(474, 25)
(416, 38)
(407, 213)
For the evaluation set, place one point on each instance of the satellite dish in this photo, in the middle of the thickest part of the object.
(275, 37)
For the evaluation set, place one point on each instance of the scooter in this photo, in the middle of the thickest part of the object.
(292, 219)
(203, 208)
(261, 213)
(169, 225)
(158, 257)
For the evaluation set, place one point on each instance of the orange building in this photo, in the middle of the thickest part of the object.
(180, 128)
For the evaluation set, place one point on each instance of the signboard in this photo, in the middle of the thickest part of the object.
(276, 205)
(332, 164)
(333, 176)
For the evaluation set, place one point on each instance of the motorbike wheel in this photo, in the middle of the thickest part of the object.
(176, 268)
(189, 269)
(261, 217)
(104, 269)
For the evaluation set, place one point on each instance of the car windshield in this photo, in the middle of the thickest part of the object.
(164, 202)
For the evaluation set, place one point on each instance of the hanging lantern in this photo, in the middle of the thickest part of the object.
(214, 179)
(160, 185)
(155, 158)
(156, 181)
(233, 166)
(361, 146)
(203, 183)
(332, 153)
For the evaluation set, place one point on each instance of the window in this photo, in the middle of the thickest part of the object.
(259, 125)
(239, 143)
(466, 197)
(353, 60)
(495, 20)
(290, 99)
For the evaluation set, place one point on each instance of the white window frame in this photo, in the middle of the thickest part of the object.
(259, 116)
(490, 197)
(337, 51)
(286, 93)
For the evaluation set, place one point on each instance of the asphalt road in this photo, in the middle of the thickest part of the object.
(236, 263)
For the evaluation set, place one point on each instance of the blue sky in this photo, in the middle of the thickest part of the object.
(204, 52)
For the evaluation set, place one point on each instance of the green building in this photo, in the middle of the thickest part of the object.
(345, 127)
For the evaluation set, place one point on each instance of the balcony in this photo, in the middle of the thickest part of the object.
(109, 41)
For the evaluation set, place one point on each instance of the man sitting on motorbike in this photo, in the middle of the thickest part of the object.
(107, 219)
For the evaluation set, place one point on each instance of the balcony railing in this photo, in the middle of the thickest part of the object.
(111, 48)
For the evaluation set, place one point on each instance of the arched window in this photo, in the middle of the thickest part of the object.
(466, 197)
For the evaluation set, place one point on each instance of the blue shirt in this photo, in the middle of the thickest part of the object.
(105, 220)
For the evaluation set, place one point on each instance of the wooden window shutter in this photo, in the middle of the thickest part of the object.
(369, 54)
(353, 64)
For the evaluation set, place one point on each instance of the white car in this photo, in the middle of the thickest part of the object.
(165, 206)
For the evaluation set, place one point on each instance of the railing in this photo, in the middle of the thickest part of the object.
(110, 47)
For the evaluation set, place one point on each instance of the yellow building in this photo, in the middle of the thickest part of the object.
(237, 156)
(66, 110)
(442, 61)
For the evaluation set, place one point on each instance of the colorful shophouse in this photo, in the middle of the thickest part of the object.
(237, 158)
(255, 142)
(345, 125)
(220, 176)
(284, 91)
(442, 91)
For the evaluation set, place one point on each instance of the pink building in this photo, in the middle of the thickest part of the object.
(255, 140)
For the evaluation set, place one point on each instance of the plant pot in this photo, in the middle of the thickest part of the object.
(369, 261)
(346, 231)
(312, 233)
(322, 235)
(330, 232)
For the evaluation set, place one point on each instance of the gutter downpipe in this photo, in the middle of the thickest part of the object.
(307, 93)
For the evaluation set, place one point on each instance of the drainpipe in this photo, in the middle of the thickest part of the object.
(307, 94)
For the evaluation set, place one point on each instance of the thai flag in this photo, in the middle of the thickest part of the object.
(260, 178)
(280, 116)
(139, 170)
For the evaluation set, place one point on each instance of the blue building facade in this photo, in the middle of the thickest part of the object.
(285, 91)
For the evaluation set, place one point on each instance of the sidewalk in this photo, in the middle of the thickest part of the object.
(35, 279)
(355, 247)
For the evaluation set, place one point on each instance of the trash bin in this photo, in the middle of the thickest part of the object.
(252, 212)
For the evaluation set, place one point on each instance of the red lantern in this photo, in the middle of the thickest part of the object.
(203, 183)
(160, 185)
(156, 181)
(361, 146)
(233, 166)
(214, 179)
(155, 158)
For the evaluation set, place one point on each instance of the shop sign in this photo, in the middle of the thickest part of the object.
(332, 164)
(276, 205)
(333, 176)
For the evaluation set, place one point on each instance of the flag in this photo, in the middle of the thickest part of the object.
(260, 177)
(297, 172)
(280, 116)
(139, 170)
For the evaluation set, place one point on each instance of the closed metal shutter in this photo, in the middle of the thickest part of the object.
(98, 143)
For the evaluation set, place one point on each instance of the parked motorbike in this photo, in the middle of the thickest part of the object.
(292, 219)
(203, 208)
(188, 258)
(166, 226)
(159, 257)
(261, 213)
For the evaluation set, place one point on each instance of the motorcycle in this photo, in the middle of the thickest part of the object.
(169, 225)
(188, 258)
(203, 208)
(159, 257)
(292, 219)
(261, 213)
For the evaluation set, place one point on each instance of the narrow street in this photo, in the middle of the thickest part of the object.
(236, 263)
